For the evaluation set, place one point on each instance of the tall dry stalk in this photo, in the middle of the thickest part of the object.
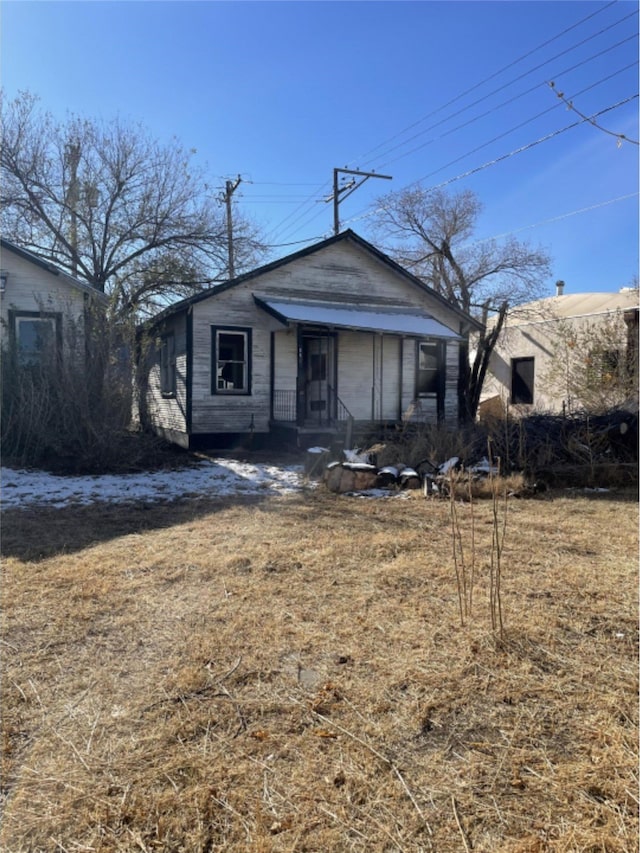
(465, 573)
(497, 547)
(458, 550)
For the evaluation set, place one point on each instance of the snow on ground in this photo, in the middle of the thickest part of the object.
(208, 479)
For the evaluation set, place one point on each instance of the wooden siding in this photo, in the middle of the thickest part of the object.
(163, 412)
(375, 372)
(356, 373)
(30, 288)
(285, 360)
(234, 308)
(390, 347)
(344, 272)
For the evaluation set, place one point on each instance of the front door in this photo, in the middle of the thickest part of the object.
(317, 365)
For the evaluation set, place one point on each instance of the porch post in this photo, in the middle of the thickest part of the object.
(300, 400)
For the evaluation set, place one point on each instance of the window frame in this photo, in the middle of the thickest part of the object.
(247, 333)
(168, 365)
(51, 317)
(516, 397)
(438, 371)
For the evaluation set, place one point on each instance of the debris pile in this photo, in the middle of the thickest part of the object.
(358, 472)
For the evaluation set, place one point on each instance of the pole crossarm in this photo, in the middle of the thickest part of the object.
(350, 188)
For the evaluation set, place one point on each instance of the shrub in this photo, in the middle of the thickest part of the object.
(69, 408)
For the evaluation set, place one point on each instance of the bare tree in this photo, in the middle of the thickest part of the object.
(593, 364)
(108, 204)
(431, 232)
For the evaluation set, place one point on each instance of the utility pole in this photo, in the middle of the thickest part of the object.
(349, 188)
(73, 152)
(230, 188)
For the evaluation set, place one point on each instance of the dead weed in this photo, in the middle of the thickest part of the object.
(293, 676)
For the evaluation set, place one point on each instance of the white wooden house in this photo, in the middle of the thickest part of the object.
(299, 346)
(42, 309)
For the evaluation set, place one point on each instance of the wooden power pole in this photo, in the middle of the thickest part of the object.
(349, 188)
(230, 188)
(73, 152)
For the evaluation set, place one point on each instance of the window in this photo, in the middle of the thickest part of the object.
(429, 369)
(168, 366)
(231, 361)
(522, 380)
(607, 362)
(36, 338)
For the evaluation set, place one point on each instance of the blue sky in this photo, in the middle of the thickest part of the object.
(432, 93)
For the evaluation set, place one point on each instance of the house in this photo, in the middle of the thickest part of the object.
(43, 311)
(336, 332)
(565, 353)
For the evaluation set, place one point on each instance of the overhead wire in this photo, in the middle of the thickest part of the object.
(542, 222)
(621, 137)
(486, 80)
(519, 126)
(499, 159)
(509, 101)
(302, 215)
(511, 82)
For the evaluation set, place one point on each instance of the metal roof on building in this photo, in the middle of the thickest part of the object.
(370, 318)
(573, 305)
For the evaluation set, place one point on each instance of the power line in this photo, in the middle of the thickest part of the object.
(488, 79)
(524, 147)
(313, 197)
(409, 264)
(506, 86)
(501, 158)
(619, 136)
(302, 215)
(511, 101)
(556, 218)
(517, 127)
(506, 133)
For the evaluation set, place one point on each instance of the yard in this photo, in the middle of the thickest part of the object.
(290, 673)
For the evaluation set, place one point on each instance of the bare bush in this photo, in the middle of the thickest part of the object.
(70, 407)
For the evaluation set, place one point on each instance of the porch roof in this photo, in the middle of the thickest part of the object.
(344, 315)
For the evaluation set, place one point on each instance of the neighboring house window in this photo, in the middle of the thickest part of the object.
(231, 356)
(429, 372)
(608, 364)
(522, 370)
(36, 337)
(168, 366)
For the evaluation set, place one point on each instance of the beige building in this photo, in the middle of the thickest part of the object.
(565, 353)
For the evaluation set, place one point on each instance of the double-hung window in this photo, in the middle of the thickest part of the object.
(231, 357)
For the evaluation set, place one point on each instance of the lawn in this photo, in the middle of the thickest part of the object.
(292, 674)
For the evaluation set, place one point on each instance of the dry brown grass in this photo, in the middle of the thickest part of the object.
(292, 675)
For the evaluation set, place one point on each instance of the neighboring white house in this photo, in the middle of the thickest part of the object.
(543, 343)
(42, 309)
(298, 346)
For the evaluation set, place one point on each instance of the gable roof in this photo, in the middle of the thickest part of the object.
(572, 305)
(37, 261)
(344, 236)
